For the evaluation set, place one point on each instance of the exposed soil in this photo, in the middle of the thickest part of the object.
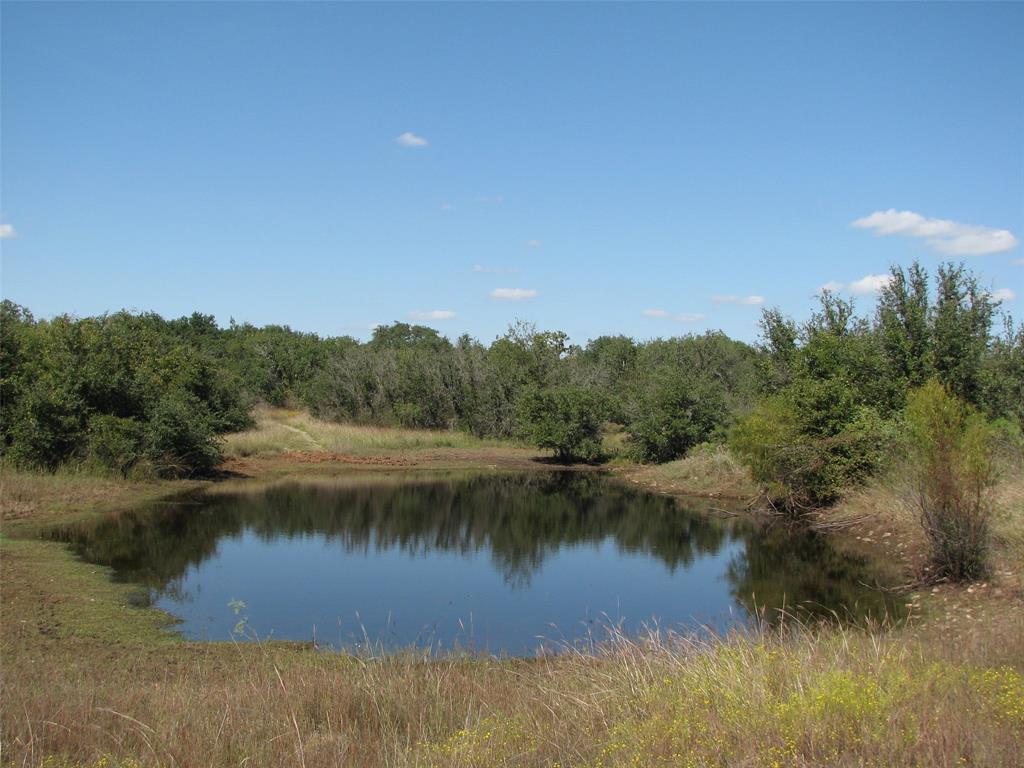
(321, 457)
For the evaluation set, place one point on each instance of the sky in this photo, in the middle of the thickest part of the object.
(645, 169)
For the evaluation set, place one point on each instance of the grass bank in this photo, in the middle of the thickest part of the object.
(89, 680)
(279, 430)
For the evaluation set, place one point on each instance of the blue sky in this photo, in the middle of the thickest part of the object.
(642, 169)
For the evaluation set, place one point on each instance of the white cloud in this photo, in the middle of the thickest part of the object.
(684, 317)
(1019, 262)
(943, 235)
(433, 314)
(513, 294)
(491, 199)
(410, 139)
(732, 299)
(447, 207)
(1003, 294)
(831, 286)
(869, 284)
(7, 231)
(495, 270)
(533, 243)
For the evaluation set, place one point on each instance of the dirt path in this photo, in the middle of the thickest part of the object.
(304, 434)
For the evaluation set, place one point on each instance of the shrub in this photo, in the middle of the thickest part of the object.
(47, 426)
(180, 439)
(952, 458)
(565, 419)
(673, 415)
(114, 442)
(800, 468)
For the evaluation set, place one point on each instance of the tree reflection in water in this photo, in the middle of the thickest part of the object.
(521, 520)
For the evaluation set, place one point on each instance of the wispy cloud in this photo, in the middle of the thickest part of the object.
(432, 314)
(495, 270)
(533, 243)
(682, 317)
(869, 284)
(447, 207)
(513, 294)
(832, 286)
(1003, 294)
(491, 199)
(731, 299)
(951, 238)
(7, 231)
(410, 139)
(1019, 262)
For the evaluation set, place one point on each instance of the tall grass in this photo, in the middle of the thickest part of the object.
(279, 431)
(708, 469)
(799, 697)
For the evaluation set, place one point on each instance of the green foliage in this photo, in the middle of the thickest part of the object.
(115, 442)
(673, 413)
(838, 384)
(1003, 374)
(180, 439)
(822, 429)
(47, 425)
(800, 468)
(838, 376)
(566, 420)
(88, 390)
(952, 458)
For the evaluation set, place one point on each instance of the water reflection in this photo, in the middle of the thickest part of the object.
(518, 552)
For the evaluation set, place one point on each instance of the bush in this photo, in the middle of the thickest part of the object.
(567, 420)
(47, 427)
(799, 468)
(115, 443)
(672, 416)
(180, 439)
(952, 458)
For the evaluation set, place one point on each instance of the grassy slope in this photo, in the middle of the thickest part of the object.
(279, 430)
(88, 679)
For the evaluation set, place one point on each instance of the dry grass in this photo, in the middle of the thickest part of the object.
(883, 515)
(708, 470)
(32, 499)
(806, 698)
(278, 430)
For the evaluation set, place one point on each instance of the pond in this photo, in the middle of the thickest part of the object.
(502, 563)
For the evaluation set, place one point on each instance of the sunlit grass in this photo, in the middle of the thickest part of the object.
(707, 469)
(280, 430)
(799, 697)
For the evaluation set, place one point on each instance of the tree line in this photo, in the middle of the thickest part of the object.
(810, 407)
(128, 390)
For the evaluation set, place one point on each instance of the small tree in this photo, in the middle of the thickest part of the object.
(672, 414)
(565, 419)
(952, 458)
(180, 440)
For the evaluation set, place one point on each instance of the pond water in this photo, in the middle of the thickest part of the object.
(504, 563)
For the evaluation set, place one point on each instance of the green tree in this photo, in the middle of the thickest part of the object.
(672, 413)
(566, 420)
(180, 440)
